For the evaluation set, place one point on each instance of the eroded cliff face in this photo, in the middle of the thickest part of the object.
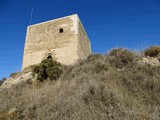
(58, 38)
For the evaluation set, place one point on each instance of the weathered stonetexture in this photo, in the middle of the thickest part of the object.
(45, 39)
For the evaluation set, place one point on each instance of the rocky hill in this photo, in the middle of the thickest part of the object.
(121, 85)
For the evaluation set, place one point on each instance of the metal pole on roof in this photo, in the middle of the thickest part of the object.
(31, 16)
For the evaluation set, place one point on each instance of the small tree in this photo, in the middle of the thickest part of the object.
(47, 69)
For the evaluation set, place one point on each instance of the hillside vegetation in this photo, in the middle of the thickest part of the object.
(116, 86)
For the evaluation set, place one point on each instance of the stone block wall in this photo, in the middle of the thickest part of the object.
(63, 39)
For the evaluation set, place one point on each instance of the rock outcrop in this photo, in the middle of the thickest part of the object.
(19, 77)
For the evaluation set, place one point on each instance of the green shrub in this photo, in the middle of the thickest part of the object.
(152, 51)
(16, 74)
(2, 80)
(13, 74)
(47, 69)
(121, 57)
(93, 57)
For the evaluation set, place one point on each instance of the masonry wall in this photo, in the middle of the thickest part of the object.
(84, 47)
(45, 39)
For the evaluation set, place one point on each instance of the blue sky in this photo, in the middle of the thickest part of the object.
(134, 24)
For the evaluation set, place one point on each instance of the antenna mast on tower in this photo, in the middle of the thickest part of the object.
(31, 16)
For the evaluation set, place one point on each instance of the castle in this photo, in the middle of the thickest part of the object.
(63, 39)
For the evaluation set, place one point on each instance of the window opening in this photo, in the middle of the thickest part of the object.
(61, 30)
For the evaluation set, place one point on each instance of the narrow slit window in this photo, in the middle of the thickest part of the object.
(61, 30)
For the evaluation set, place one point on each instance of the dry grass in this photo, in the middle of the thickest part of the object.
(93, 89)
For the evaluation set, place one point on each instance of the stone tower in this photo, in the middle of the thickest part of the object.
(63, 39)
